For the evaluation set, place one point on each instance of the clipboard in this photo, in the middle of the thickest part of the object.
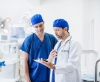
(39, 60)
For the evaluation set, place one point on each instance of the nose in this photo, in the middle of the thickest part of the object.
(39, 28)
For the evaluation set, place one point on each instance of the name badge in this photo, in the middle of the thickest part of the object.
(64, 50)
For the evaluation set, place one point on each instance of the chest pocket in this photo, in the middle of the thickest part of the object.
(66, 48)
(64, 51)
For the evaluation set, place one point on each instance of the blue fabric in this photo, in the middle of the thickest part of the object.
(38, 49)
(53, 72)
(37, 18)
(2, 63)
(61, 23)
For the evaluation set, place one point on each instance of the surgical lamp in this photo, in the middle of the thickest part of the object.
(25, 18)
(4, 25)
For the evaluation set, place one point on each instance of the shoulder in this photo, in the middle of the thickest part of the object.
(74, 43)
(52, 38)
(28, 38)
(49, 34)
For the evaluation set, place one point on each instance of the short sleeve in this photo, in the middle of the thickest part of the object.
(26, 45)
(53, 39)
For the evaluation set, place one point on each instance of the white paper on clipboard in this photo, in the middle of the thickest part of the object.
(37, 61)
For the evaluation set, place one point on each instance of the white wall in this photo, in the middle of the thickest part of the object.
(97, 26)
(85, 26)
(13, 9)
(91, 12)
(91, 32)
(97, 29)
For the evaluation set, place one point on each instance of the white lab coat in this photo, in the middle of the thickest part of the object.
(68, 65)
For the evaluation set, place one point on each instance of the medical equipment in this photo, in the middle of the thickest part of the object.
(9, 50)
(2, 64)
(40, 59)
(88, 66)
(10, 72)
(4, 25)
(10, 53)
(25, 18)
(4, 38)
(96, 65)
(45, 60)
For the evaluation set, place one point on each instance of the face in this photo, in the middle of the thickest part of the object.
(59, 32)
(39, 28)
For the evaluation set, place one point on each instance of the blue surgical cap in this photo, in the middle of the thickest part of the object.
(37, 18)
(61, 23)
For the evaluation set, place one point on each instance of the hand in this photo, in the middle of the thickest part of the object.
(52, 55)
(48, 64)
(28, 80)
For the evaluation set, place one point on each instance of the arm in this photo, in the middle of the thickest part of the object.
(73, 61)
(25, 47)
(25, 66)
(52, 55)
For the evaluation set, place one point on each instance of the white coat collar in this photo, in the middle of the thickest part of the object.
(67, 39)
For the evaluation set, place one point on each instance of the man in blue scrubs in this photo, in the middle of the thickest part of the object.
(37, 45)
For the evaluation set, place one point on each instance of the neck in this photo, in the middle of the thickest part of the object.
(65, 37)
(40, 36)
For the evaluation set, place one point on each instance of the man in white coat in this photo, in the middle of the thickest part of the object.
(65, 59)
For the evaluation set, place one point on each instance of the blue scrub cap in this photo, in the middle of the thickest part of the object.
(61, 23)
(37, 18)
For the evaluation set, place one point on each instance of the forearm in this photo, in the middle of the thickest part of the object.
(26, 72)
(52, 55)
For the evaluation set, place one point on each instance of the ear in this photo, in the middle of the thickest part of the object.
(65, 29)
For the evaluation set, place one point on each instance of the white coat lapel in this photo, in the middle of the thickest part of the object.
(65, 42)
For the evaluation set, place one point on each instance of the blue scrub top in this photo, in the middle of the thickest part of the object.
(38, 49)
